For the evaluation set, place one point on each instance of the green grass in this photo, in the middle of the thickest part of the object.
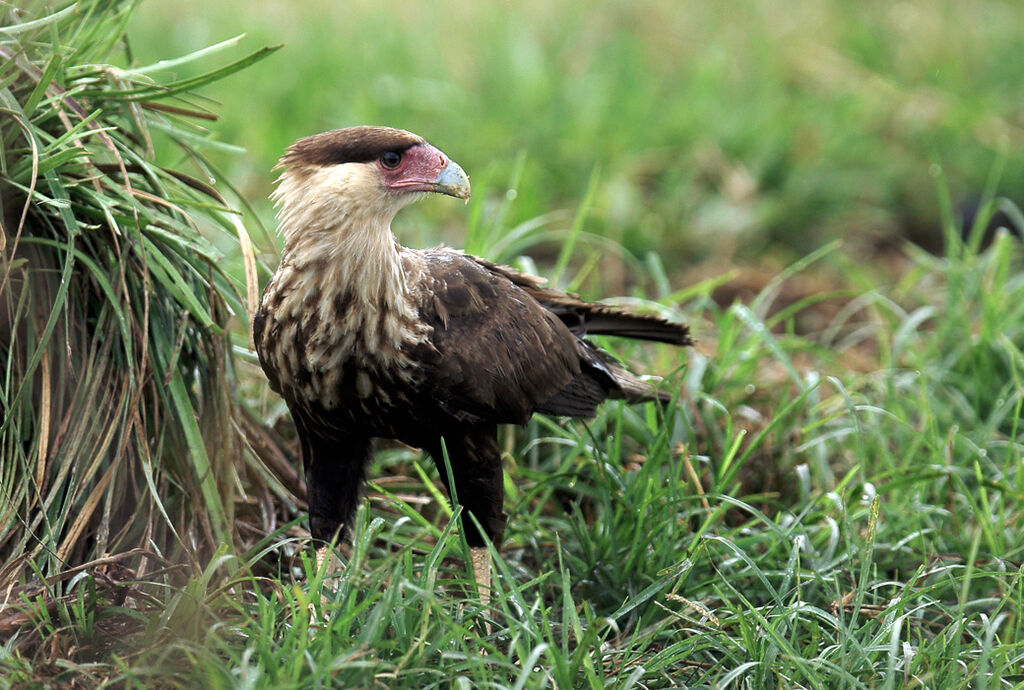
(713, 129)
(852, 528)
(833, 501)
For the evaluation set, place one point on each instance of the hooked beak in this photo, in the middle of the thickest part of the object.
(452, 181)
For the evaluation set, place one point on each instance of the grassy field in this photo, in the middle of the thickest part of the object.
(834, 499)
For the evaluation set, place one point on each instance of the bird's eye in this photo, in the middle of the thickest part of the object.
(390, 159)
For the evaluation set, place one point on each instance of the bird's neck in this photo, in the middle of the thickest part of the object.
(348, 291)
(341, 245)
(358, 257)
(343, 276)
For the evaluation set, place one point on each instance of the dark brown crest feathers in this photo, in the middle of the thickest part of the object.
(350, 145)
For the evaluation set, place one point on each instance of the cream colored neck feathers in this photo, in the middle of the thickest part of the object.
(336, 222)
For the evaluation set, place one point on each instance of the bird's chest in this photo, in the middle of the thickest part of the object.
(340, 356)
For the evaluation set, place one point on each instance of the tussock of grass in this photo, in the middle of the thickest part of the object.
(116, 382)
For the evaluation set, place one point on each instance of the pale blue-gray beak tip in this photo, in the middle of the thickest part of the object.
(453, 181)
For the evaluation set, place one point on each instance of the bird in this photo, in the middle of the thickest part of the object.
(435, 348)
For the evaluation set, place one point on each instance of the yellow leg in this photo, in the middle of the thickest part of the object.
(324, 553)
(327, 563)
(481, 572)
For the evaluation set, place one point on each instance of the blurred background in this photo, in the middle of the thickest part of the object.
(713, 134)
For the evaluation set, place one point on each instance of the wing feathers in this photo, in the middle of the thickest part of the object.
(583, 318)
(497, 352)
(505, 347)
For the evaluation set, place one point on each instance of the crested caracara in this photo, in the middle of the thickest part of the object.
(365, 338)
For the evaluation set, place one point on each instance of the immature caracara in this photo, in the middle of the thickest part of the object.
(365, 338)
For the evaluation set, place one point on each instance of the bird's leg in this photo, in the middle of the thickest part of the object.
(328, 564)
(477, 484)
(334, 475)
(325, 555)
(323, 552)
(481, 572)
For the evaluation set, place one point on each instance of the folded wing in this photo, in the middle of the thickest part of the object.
(504, 346)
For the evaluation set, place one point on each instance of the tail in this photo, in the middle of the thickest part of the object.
(603, 379)
(591, 318)
(586, 318)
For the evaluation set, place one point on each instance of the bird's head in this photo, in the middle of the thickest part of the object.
(360, 175)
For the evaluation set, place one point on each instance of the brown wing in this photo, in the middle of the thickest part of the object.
(582, 317)
(499, 355)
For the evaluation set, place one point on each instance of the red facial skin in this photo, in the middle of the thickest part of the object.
(418, 170)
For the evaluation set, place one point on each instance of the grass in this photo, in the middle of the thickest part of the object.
(793, 522)
(115, 311)
(115, 379)
(834, 499)
(713, 131)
